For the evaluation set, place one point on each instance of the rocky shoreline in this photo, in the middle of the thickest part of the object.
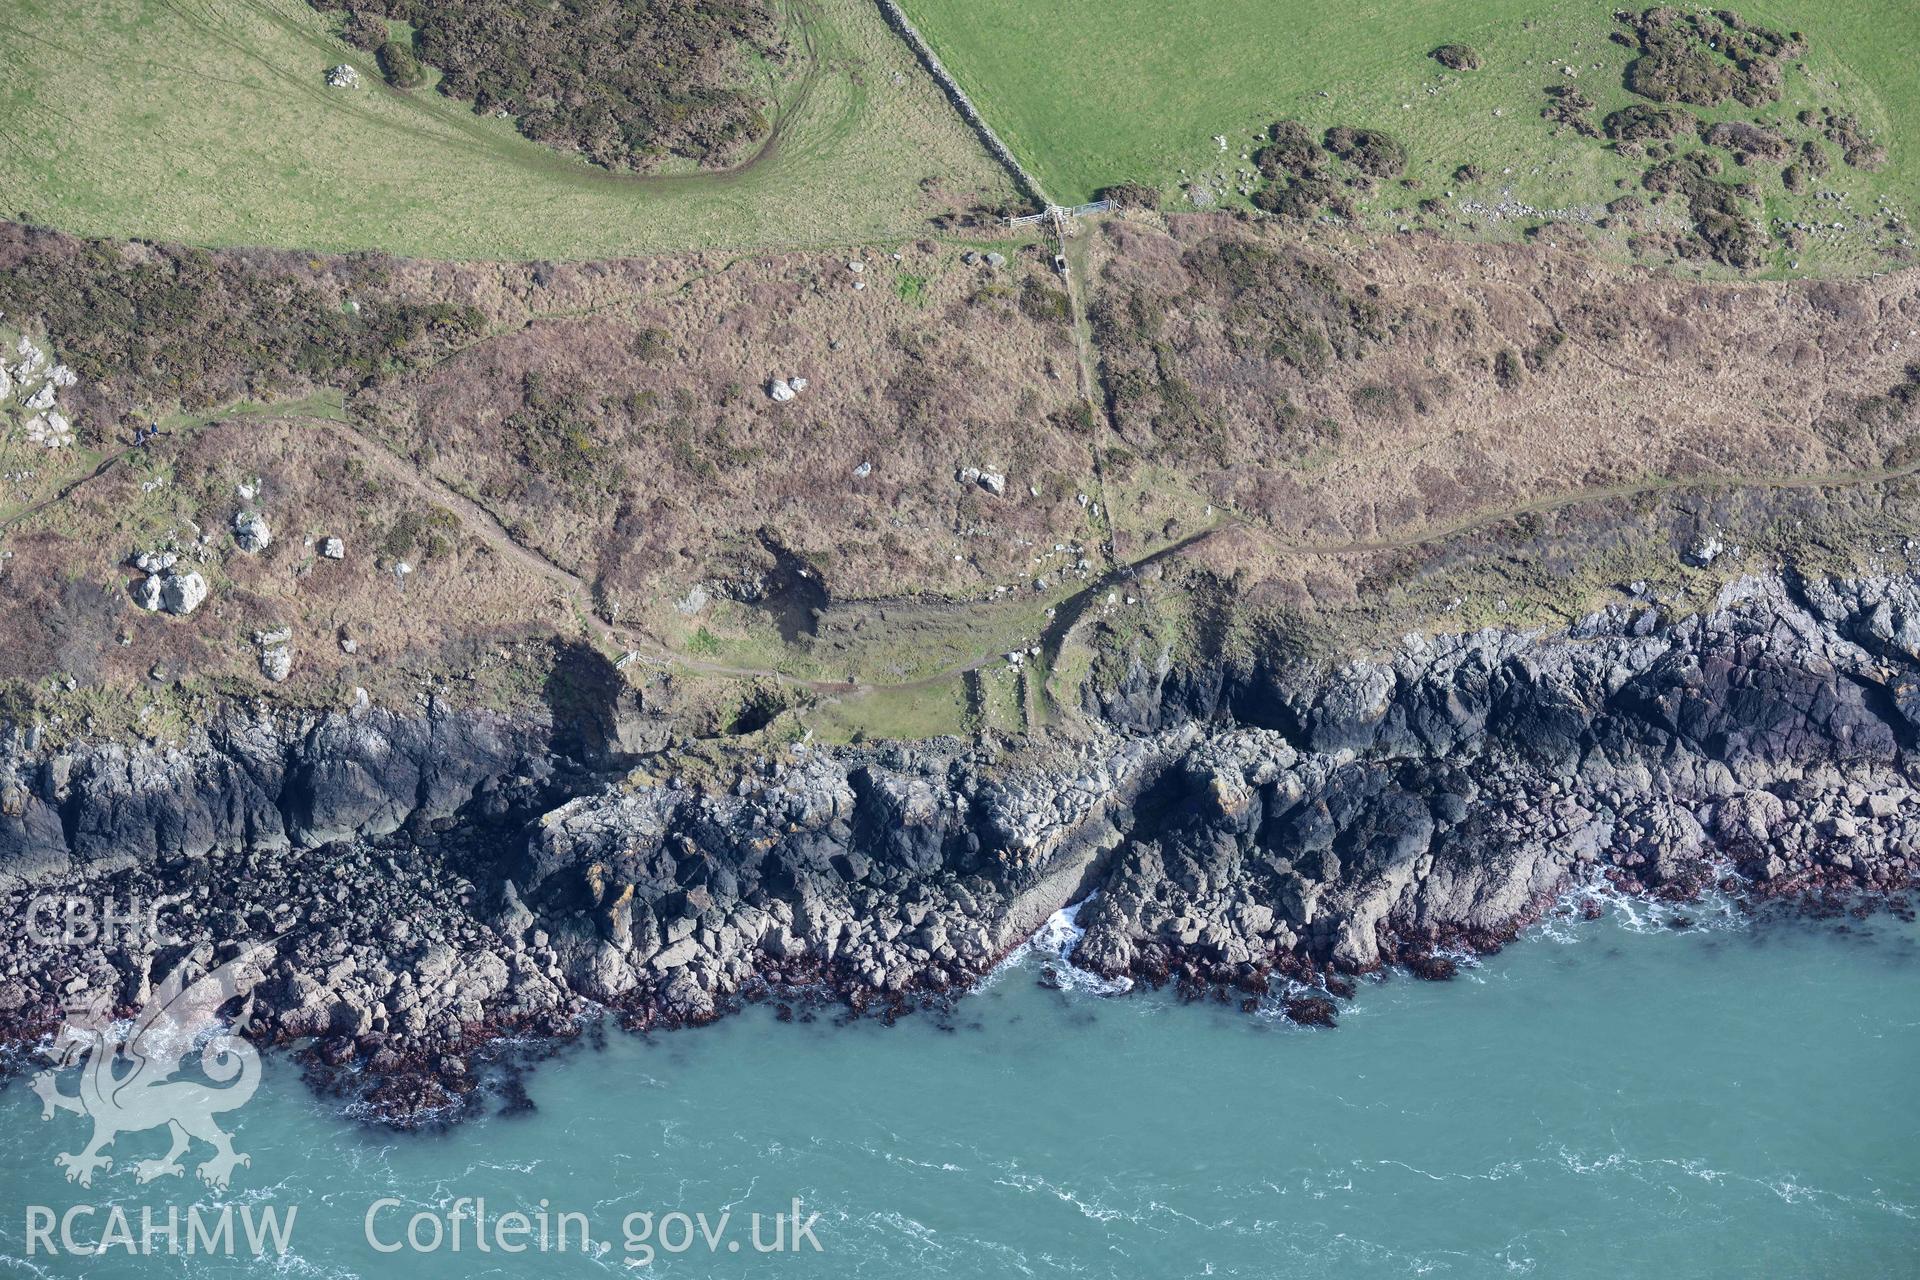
(445, 879)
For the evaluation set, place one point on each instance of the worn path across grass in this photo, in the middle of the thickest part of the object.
(617, 640)
(210, 122)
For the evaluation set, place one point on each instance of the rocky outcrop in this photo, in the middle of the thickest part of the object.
(1243, 827)
(251, 531)
(253, 784)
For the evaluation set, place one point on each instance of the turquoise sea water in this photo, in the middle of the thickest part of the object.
(1613, 1098)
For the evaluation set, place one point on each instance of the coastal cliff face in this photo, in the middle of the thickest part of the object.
(443, 877)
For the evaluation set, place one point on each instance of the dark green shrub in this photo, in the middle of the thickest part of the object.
(185, 326)
(1292, 151)
(1132, 195)
(1748, 142)
(1507, 369)
(1372, 151)
(1040, 302)
(1641, 123)
(1705, 59)
(624, 83)
(399, 66)
(1296, 197)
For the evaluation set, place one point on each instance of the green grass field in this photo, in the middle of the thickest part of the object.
(1091, 92)
(209, 121)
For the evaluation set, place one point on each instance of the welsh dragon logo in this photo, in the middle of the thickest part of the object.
(127, 1070)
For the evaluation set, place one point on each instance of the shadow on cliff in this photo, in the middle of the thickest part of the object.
(599, 719)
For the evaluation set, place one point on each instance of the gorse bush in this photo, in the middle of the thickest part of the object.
(625, 84)
(152, 325)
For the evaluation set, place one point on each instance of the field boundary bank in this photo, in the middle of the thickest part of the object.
(904, 28)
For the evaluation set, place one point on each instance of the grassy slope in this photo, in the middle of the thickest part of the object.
(1090, 92)
(209, 121)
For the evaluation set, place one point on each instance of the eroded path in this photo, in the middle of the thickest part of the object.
(619, 640)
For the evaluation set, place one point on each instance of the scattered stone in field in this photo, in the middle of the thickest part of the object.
(333, 549)
(276, 656)
(31, 358)
(693, 602)
(182, 593)
(780, 391)
(343, 77)
(856, 267)
(246, 491)
(993, 482)
(969, 257)
(798, 384)
(349, 645)
(968, 475)
(164, 590)
(155, 561)
(859, 285)
(61, 376)
(6, 383)
(43, 398)
(996, 260)
(251, 532)
(862, 471)
(276, 663)
(1081, 498)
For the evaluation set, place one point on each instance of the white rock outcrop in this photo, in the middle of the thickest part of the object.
(182, 593)
(251, 531)
(166, 591)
